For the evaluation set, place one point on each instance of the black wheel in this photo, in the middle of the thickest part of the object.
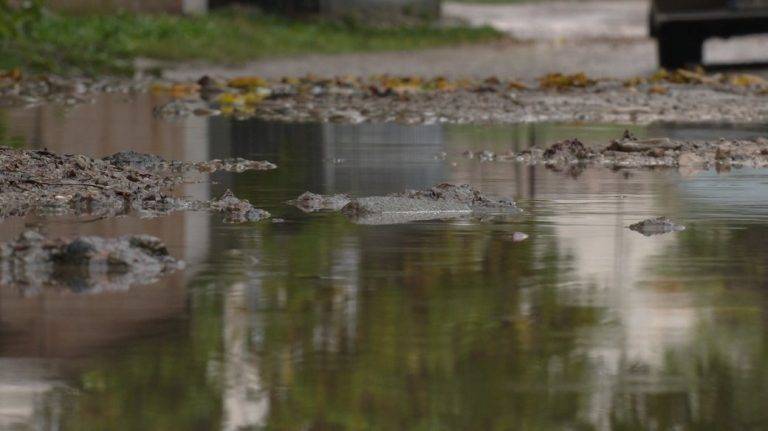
(678, 48)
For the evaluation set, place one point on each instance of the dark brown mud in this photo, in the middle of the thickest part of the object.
(43, 182)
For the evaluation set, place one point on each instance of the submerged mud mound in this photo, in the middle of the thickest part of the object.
(631, 152)
(444, 201)
(312, 202)
(463, 193)
(398, 209)
(656, 226)
(87, 263)
(236, 210)
(39, 181)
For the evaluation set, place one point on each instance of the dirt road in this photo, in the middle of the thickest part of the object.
(599, 38)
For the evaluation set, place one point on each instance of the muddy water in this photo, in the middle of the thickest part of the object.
(317, 323)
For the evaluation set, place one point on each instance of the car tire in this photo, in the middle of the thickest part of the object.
(678, 48)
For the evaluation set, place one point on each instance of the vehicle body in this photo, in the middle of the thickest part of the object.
(681, 26)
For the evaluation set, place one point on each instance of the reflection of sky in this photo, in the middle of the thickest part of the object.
(738, 194)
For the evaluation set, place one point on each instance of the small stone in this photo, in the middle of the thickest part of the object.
(656, 226)
(519, 237)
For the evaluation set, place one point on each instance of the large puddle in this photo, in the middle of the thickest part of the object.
(321, 324)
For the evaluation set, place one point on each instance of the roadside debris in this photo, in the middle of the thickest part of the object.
(43, 182)
(311, 202)
(630, 152)
(559, 81)
(680, 95)
(656, 226)
(86, 263)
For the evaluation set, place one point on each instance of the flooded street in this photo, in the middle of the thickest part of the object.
(318, 323)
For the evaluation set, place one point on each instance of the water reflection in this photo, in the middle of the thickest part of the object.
(320, 324)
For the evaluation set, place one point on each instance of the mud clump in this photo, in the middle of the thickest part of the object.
(237, 210)
(136, 160)
(150, 162)
(656, 226)
(45, 182)
(42, 182)
(444, 201)
(631, 152)
(463, 193)
(379, 210)
(311, 202)
(567, 151)
(86, 263)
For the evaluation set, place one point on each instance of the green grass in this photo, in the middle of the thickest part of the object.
(109, 43)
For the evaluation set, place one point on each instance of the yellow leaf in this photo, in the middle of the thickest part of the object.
(516, 85)
(248, 82)
(230, 99)
(747, 80)
(561, 81)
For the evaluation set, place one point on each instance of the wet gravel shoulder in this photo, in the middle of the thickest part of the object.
(680, 96)
(611, 104)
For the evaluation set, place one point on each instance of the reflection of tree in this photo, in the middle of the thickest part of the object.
(165, 384)
(443, 336)
(719, 379)
(397, 327)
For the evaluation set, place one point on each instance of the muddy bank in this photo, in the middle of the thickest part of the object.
(631, 152)
(43, 182)
(441, 202)
(86, 263)
(665, 96)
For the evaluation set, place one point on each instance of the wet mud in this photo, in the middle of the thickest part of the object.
(631, 152)
(441, 202)
(43, 182)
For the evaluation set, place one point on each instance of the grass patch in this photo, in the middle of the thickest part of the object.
(109, 43)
